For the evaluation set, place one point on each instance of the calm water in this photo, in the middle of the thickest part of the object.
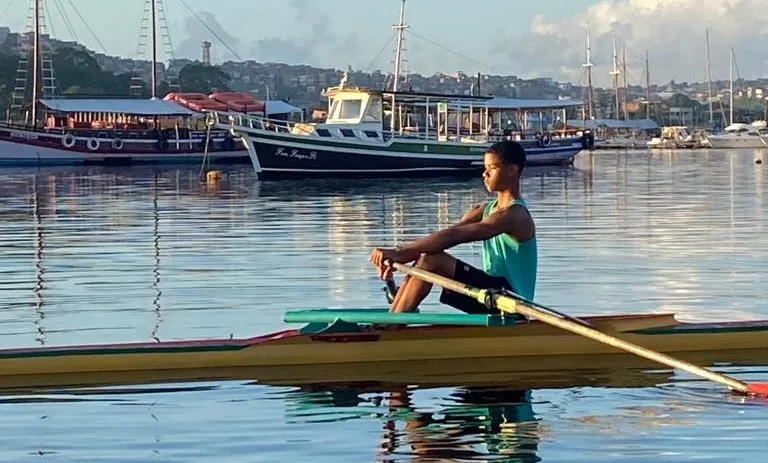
(115, 255)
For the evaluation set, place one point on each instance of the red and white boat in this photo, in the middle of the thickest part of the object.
(120, 131)
(116, 131)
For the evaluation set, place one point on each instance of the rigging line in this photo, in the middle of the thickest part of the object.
(167, 29)
(7, 7)
(103, 48)
(48, 18)
(210, 30)
(378, 55)
(454, 52)
(736, 65)
(65, 20)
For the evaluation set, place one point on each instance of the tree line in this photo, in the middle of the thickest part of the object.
(78, 74)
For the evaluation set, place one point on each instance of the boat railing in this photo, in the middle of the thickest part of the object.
(245, 123)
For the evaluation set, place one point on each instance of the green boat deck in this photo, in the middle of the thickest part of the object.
(347, 319)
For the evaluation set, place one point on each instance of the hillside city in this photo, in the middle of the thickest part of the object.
(671, 103)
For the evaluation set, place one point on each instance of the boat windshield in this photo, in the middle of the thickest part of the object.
(372, 110)
(346, 109)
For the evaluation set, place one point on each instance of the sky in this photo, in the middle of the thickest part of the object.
(545, 38)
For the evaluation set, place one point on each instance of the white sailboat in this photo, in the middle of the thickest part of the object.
(738, 135)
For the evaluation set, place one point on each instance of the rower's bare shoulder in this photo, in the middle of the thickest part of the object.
(516, 221)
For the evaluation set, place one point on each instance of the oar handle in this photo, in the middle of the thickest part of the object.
(512, 305)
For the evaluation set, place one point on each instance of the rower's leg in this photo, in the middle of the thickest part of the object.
(413, 290)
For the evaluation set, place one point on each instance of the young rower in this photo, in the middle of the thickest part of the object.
(505, 228)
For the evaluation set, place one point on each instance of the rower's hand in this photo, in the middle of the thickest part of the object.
(382, 257)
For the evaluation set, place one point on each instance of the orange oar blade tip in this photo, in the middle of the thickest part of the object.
(758, 389)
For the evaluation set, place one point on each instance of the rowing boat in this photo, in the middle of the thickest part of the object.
(343, 343)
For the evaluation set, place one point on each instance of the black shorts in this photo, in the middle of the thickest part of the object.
(472, 276)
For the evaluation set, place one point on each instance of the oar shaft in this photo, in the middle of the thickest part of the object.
(509, 304)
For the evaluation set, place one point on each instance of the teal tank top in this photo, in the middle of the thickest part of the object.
(504, 256)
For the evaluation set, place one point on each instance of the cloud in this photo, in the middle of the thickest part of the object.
(316, 43)
(195, 33)
(672, 31)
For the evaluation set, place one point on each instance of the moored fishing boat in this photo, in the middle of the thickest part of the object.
(344, 344)
(376, 133)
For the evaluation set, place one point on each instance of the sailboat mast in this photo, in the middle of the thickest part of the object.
(35, 60)
(730, 103)
(400, 28)
(624, 75)
(647, 86)
(709, 83)
(154, 49)
(615, 73)
(588, 64)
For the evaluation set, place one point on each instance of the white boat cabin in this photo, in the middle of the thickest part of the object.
(364, 114)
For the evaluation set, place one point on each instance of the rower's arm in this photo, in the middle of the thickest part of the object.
(475, 214)
(495, 224)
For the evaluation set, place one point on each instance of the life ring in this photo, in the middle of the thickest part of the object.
(93, 144)
(545, 140)
(117, 144)
(68, 140)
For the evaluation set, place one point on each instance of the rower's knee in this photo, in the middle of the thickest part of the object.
(441, 263)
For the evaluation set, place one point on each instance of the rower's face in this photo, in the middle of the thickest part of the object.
(497, 175)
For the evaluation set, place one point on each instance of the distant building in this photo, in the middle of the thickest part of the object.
(206, 53)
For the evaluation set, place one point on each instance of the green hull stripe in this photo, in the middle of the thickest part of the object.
(384, 317)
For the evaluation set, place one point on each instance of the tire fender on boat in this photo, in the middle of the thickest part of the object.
(545, 140)
(117, 144)
(68, 140)
(93, 144)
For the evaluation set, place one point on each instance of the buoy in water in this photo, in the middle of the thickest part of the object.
(213, 176)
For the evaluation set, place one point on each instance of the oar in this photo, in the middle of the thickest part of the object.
(515, 304)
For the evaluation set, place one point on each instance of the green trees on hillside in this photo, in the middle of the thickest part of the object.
(198, 78)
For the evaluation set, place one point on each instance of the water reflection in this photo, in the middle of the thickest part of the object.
(38, 259)
(462, 424)
(479, 423)
(156, 267)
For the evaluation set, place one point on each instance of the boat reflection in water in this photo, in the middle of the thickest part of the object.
(479, 422)
(466, 423)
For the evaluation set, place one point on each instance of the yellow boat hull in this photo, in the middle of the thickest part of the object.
(403, 353)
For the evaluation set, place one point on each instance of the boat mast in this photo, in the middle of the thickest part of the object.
(709, 83)
(647, 86)
(624, 72)
(400, 28)
(615, 74)
(154, 49)
(730, 103)
(588, 64)
(35, 59)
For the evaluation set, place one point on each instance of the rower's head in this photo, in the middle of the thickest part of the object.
(504, 162)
